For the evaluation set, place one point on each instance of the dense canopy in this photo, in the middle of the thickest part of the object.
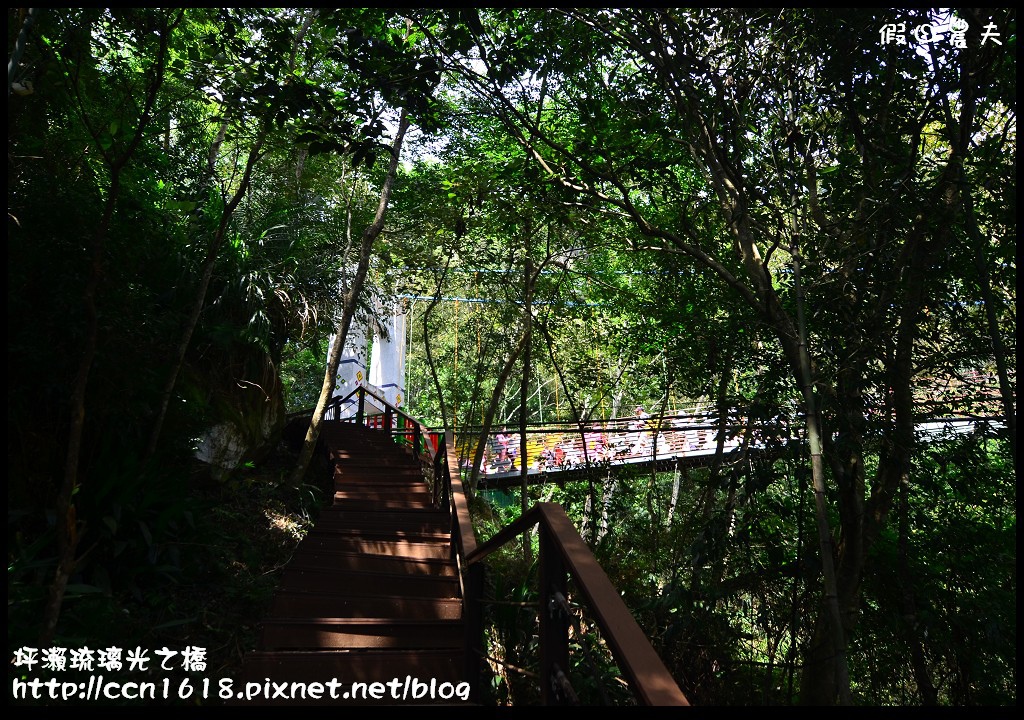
(770, 215)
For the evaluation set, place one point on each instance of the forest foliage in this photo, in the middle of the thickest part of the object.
(759, 213)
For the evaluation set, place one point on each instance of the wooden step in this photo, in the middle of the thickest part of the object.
(385, 477)
(362, 562)
(419, 515)
(387, 492)
(371, 593)
(299, 577)
(386, 532)
(333, 542)
(386, 488)
(380, 482)
(383, 480)
(377, 525)
(367, 474)
(379, 460)
(315, 604)
(361, 442)
(382, 452)
(348, 515)
(390, 504)
(421, 498)
(352, 633)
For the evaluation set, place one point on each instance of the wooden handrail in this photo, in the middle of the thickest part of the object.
(463, 523)
(647, 674)
(511, 531)
(563, 553)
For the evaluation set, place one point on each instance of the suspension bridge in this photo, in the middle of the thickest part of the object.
(691, 438)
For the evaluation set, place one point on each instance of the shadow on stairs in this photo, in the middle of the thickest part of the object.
(369, 610)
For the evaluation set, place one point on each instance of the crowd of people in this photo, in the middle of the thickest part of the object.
(561, 451)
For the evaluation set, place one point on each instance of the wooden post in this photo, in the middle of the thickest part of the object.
(554, 625)
(359, 412)
(438, 479)
(473, 622)
(388, 415)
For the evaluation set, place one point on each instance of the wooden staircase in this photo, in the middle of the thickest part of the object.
(372, 593)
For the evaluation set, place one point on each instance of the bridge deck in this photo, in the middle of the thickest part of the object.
(690, 439)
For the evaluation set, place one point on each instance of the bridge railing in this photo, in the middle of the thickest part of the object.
(570, 447)
(563, 555)
(396, 423)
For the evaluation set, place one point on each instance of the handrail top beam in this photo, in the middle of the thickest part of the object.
(466, 539)
(630, 645)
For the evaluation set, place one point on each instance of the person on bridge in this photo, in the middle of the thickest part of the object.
(513, 451)
(640, 424)
(545, 460)
(501, 440)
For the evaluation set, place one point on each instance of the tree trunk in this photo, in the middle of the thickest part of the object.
(994, 333)
(302, 152)
(426, 344)
(828, 649)
(653, 499)
(218, 239)
(349, 307)
(588, 526)
(608, 489)
(677, 473)
(723, 418)
(69, 528)
(723, 532)
(524, 396)
(204, 285)
(492, 408)
(922, 678)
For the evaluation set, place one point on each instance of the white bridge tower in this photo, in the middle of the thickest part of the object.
(386, 375)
